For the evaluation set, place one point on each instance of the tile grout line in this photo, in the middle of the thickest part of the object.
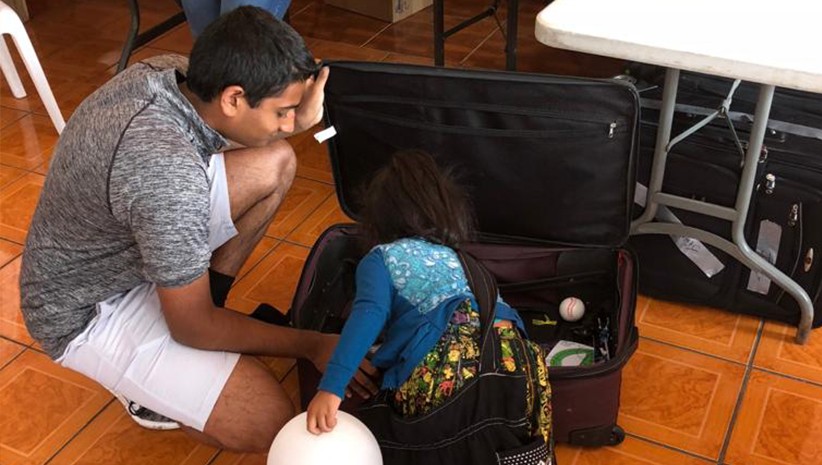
(372, 38)
(741, 396)
(320, 204)
(11, 360)
(25, 171)
(694, 351)
(283, 240)
(308, 247)
(666, 446)
(79, 431)
(305, 7)
(25, 113)
(474, 50)
(787, 376)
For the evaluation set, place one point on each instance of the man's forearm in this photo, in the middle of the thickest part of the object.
(223, 329)
(193, 320)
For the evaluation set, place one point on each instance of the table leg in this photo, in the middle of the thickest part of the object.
(663, 136)
(738, 247)
(136, 39)
(511, 35)
(439, 32)
(743, 201)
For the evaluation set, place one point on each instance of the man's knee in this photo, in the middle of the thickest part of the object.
(259, 174)
(284, 166)
(251, 410)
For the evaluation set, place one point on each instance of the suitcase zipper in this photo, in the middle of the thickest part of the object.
(507, 109)
(468, 130)
(793, 217)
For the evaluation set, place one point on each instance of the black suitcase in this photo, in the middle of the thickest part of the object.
(793, 111)
(549, 164)
(785, 219)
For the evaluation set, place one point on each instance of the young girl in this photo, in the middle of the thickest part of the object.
(412, 286)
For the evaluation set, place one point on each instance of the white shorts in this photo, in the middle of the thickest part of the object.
(128, 349)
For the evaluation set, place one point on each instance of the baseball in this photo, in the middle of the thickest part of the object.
(571, 309)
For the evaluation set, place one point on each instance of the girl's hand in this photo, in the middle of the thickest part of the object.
(322, 412)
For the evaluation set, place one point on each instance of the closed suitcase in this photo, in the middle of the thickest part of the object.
(793, 111)
(785, 218)
(549, 165)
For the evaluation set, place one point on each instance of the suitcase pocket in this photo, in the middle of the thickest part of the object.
(323, 298)
(556, 128)
(535, 453)
(534, 280)
(787, 231)
(666, 272)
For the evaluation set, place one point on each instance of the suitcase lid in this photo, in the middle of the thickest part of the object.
(544, 158)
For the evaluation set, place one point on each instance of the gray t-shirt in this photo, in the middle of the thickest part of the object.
(125, 202)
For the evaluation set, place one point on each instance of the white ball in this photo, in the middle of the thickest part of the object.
(571, 309)
(350, 443)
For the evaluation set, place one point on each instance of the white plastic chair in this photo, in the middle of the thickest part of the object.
(10, 24)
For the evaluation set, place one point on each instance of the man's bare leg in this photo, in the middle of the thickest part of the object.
(250, 411)
(258, 180)
(252, 406)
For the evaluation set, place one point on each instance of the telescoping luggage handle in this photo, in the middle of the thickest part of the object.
(484, 287)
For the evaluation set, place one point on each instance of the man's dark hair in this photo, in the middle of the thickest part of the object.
(412, 196)
(250, 48)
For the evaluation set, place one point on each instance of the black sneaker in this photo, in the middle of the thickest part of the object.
(145, 417)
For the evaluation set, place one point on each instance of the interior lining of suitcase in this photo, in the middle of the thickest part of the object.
(533, 279)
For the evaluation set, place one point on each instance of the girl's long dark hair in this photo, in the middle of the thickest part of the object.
(412, 196)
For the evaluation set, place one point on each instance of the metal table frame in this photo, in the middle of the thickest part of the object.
(440, 33)
(696, 35)
(739, 247)
(135, 39)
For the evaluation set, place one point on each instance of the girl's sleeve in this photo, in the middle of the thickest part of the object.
(369, 314)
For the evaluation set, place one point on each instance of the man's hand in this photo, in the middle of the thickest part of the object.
(322, 412)
(310, 111)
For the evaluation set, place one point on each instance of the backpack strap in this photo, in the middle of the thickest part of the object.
(484, 287)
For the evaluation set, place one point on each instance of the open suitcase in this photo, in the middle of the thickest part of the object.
(785, 219)
(549, 164)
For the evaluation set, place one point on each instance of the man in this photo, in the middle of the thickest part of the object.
(140, 230)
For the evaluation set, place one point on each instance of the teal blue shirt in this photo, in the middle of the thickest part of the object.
(408, 288)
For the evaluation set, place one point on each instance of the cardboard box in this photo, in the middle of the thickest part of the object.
(386, 10)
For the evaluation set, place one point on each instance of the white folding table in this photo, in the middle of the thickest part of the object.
(773, 43)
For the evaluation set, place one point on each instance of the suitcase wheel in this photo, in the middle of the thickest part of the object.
(617, 436)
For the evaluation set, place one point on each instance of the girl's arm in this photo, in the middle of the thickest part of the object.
(369, 313)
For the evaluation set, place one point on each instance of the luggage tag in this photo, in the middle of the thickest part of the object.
(767, 246)
(325, 134)
(692, 248)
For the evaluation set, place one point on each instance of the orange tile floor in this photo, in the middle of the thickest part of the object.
(705, 386)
